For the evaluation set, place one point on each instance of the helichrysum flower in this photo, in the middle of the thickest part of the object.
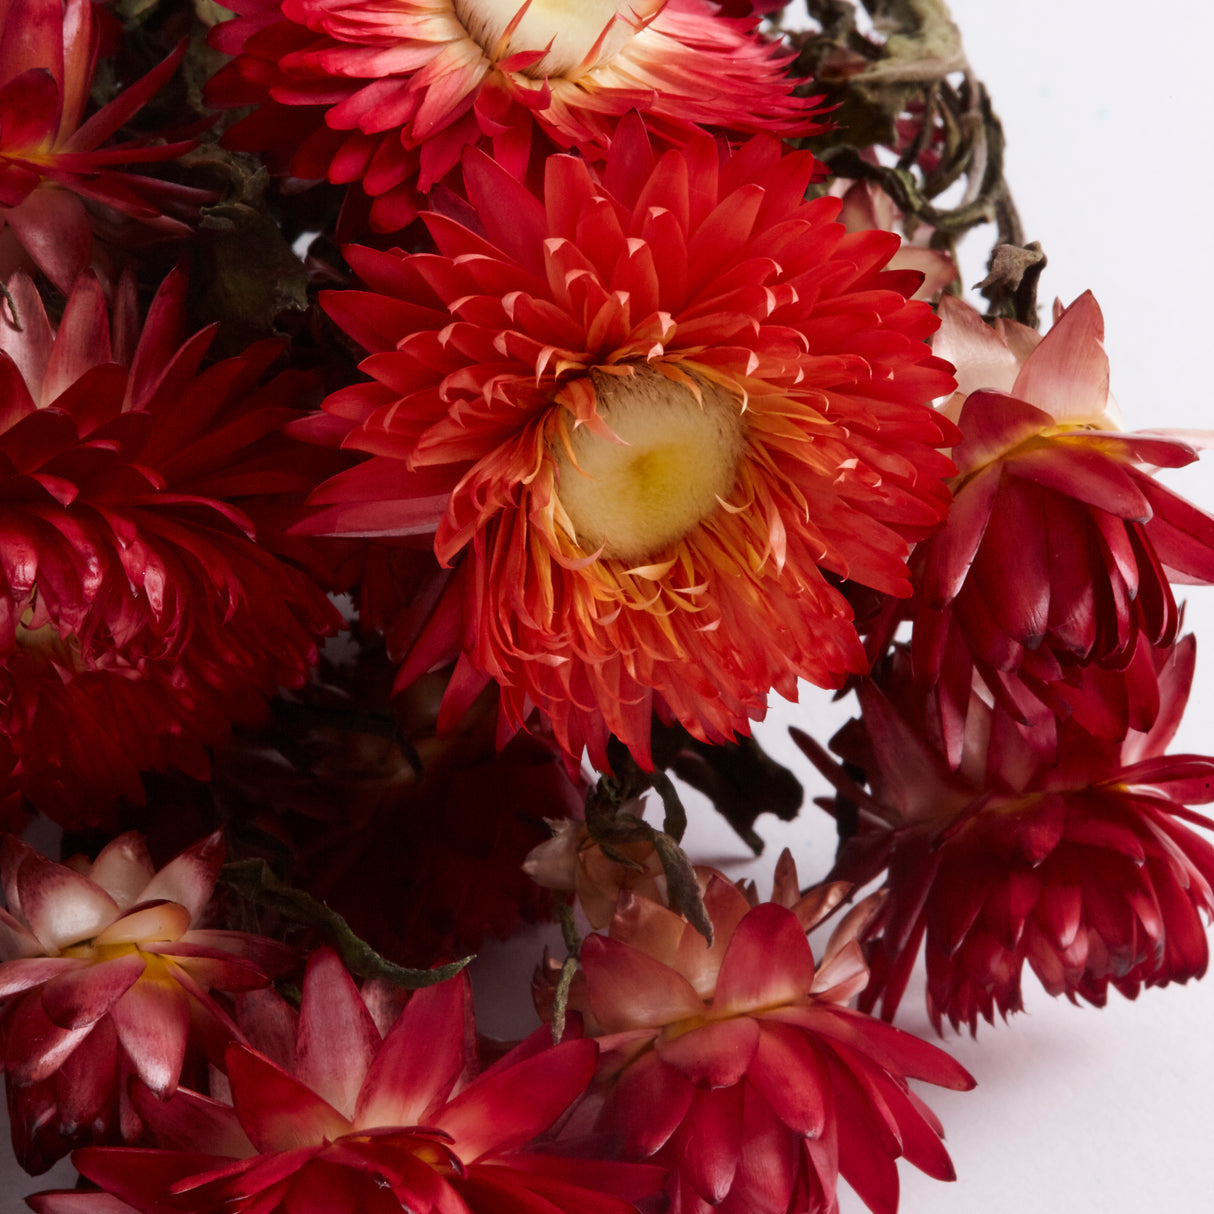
(139, 614)
(740, 1067)
(388, 96)
(1061, 545)
(348, 1119)
(1070, 855)
(648, 418)
(108, 971)
(61, 181)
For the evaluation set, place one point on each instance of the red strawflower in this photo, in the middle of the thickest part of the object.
(649, 418)
(389, 96)
(740, 1067)
(347, 1120)
(108, 973)
(1060, 545)
(61, 182)
(1073, 857)
(139, 614)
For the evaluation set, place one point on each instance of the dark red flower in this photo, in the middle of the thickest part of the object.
(139, 613)
(1061, 545)
(1047, 847)
(417, 838)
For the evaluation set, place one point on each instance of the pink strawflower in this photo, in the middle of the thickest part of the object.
(142, 608)
(61, 180)
(1072, 854)
(1061, 546)
(740, 1066)
(647, 421)
(108, 971)
(341, 1117)
(389, 97)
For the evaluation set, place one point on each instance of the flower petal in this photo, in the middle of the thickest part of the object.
(514, 1105)
(337, 1038)
(423, 1056)
(628, 989)
(768, 962)
(153, 1023)
(715, 1054)
(83, 995)
(276, 1111)
(60, 905)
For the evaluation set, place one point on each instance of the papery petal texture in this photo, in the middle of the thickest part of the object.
(108, 1002)
(1044, 850)
(730, 1094)
(388, 98)
(142, 609)
(656, 412)
(282, 1146)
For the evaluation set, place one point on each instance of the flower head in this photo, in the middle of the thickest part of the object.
(340, 1118)
(1073, 856)
(139, 614)
(647, 419)
(738, 1064)
(61, 181)
(107, 972)
(388, 97)
(1060, 546)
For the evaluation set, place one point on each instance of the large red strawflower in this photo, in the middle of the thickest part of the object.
(1072, 856)
(740, 1066)
(1061, 544)
(345, 1119)
(107, 972)
(139, 614)
(61, 181)
(647, 418)
(389, 96)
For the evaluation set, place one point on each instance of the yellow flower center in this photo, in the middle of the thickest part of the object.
(46, 643)
(672, 460)
(569, 29)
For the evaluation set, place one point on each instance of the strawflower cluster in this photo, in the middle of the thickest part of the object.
(423, 427)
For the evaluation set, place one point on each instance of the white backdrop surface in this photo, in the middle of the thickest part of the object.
(1077, 1110)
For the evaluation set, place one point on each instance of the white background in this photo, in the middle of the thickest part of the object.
(1077, 1110)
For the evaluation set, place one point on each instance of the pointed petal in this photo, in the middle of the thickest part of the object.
(276, 1111)
(83, 995)
(153, 1023)
(715, 1054)
(422, 1057)
(189, 878)
(768, 962)
(337, 1037)
(628, 989)
(512, 1106)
